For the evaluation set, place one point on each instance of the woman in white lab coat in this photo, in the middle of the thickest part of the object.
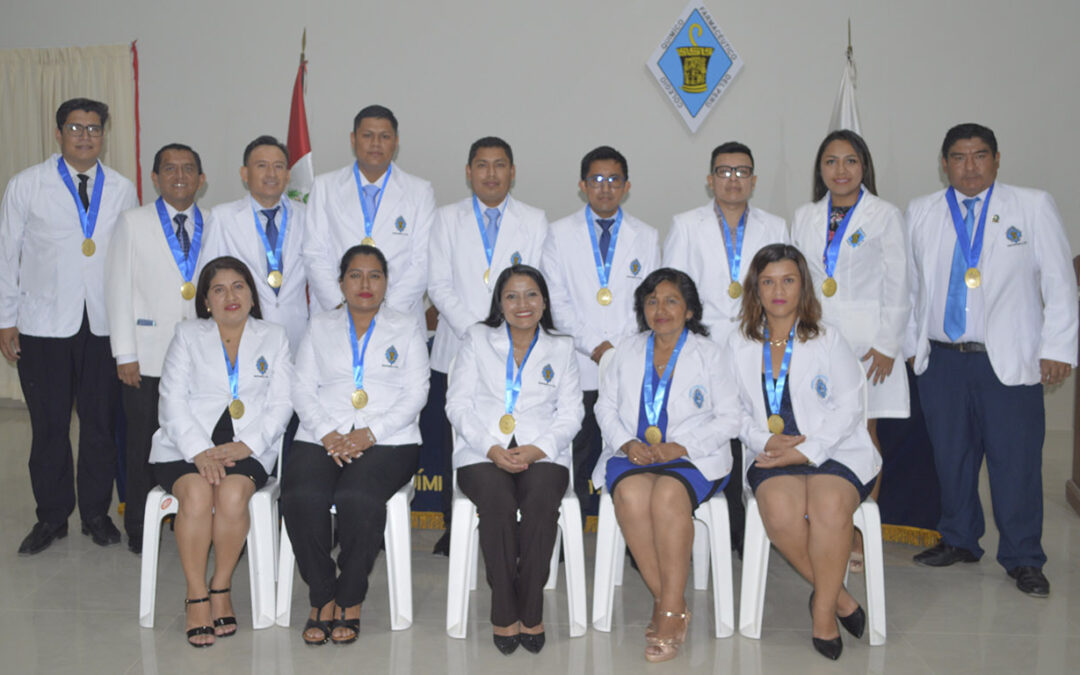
(666, 410)
(224, 406)
(361, 380)
(514, 401)
(809, 457)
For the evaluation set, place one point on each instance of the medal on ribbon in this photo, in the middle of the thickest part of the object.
(832, 247)
(359, 396)
(507, 423)
(489, 247)
(603, 262)
(273, 255)
(87, 217)
(733, 249)
(654, 400)
(185, 265)
(971, 247)
(236, 407)
(369, 218)
(774, 389)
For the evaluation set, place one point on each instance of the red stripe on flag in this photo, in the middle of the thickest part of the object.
(299, 142)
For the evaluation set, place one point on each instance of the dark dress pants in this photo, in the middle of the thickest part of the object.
(438, 440)
(587, 446)
(141, 411)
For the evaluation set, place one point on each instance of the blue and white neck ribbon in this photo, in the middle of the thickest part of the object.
(233, 369)
(358, 352)
(733, 249)
(603, 262)
(369, 218)
(971, 249)
(832, 248)
(774, 389)
(87, 218)
(273, 255)
(186, 266)
(513, 383)
(654, 400)
(489, 247)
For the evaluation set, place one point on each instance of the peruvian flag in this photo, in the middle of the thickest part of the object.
(299, 143)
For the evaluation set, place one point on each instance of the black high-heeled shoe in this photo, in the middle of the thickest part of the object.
(854, 623)
(830, 649)
(199, 630)
(225, 620)
(507, 644)
(532, 642)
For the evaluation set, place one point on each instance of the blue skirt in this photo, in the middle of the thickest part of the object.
(755, 475)
(698, 487)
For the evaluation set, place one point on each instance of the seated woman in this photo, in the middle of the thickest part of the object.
(810, 459)
(224, 406)
(515, 405)
(666, 411)
(361, 380)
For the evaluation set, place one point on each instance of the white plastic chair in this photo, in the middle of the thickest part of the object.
(397, 538)
(261, 550)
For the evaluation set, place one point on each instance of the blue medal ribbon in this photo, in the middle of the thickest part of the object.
(358, 352)
(734, 249)
(971, 249)
(369, 218)
(603, 263)
(832, 248)
(513, 383)
(186, 267)
(87, 218)
(654, 400)
(774, 389)
(273, 255)
(233, 368)
(489, 248)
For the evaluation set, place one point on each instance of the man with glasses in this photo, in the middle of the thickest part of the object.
(56, 224)
(593, 260)
(714, 244)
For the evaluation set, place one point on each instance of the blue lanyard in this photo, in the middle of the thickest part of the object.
(971, 249)
(734, 252)
(369, 218)
(273, 256)
(489, 248)
(187, 267)
(832, 248)
(654, 401)
(603, 264)
(358, 353)
(233, 368)
(513, 384)
(775, 389)
(88, 219)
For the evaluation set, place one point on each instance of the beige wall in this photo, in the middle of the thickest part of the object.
(557, 78)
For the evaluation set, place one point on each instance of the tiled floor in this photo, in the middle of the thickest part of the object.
(73, 609)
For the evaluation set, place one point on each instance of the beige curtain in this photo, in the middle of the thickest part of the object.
(33, 84)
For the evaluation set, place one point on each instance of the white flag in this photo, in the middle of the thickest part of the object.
(845, 114)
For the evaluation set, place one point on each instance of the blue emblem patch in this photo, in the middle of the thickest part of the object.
(261, 365)
(857, 238)
(1014, 235)
(697, 395)
(635, 267)
(516, 258)
(821, 386)
(399, 224)
(548, 373)
(391, 355)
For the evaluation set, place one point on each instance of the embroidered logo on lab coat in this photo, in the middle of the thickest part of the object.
(1014, 235)
(548, 373)
(515, 259)
(697, 395)
(821, 386)
(261, 365)
(399, 224)
(635, 267)
(391, 355)
(857, 238)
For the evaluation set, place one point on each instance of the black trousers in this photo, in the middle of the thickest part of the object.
(586, 448)
(56, 373)
(517, 554)
(438, 438)
(311, 484)
(141, 410)
(733, 494)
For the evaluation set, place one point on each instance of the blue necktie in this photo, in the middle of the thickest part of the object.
(181, 234)
(956, 301)
(605, 236)
(271, 226)
(370, 193)
(492, 229)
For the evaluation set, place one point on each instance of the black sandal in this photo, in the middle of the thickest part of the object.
(349, 624)
(225, 620)
(320, 624)
(199, 630)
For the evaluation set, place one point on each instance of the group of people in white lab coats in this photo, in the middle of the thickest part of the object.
(736, 359)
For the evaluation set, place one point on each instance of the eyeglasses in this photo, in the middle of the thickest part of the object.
(614, 181)
(738, 171)
(94, 130)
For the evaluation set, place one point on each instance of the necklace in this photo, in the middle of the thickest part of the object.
(778, 343)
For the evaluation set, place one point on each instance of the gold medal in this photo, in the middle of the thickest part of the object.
(88, 247)
(828, 287)
(653, 435)
(274, 279)
(367, 241)
(236, 409)
(734, 289)
(973, 278)
(603, 296)
(359, 399)
(776, 424)
(507, 423)
(187, 290)
(487, 275)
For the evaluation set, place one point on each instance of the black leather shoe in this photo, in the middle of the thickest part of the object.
(854, 623)
(135, 543)
(507, 644)
(944, 555)
(442, 547)
(41, 536)
(532, 643)
(101, 530)
(1031, 580)
(830, 649)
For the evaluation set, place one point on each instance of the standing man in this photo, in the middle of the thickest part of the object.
(152, 268)
(373, 202)
(472, 242)
(995, 320)
(714, 244)
(56, 223)
(593, 260)
(266, 232)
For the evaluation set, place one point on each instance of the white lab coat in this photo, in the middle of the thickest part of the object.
(569, 267)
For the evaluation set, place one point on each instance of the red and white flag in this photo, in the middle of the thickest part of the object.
(299, 143)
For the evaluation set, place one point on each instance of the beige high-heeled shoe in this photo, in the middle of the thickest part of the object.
(666, 648)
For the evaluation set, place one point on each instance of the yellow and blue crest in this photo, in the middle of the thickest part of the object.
(399, 224)
(1014, 235)
(515, 259)
(391, 355)
(857, 238)
(697, 395)
(261, 365)
(635, 267)
(821, 386)
(548, 373)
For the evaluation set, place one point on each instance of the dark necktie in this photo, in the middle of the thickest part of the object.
(181, 234)
(271, 227)
(605, 236)
(83, 178)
